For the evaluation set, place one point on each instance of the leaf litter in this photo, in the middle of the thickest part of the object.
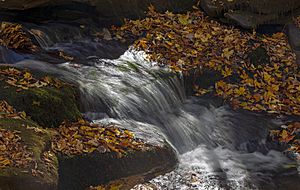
(71, 138)
(14, 37)
(24, 80)
(192, 44)
(84, 137)
(288, 135)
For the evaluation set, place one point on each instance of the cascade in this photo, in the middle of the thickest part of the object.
(223, 148)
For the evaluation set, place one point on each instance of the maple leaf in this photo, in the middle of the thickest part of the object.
(227, 53)
(184, 19)
(227, 72)
(240, 91)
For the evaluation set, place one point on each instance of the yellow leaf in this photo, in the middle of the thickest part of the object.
(184, 19)
(240, 91)
(23, 115)
(284, 134)
(227, 53)
(227, 72)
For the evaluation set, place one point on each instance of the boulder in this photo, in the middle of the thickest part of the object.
(294, 36)
(250, 14)
(41, 173)
(83, 171)
(102, 168)
(49, 106)
(112, 11)
(293, 33)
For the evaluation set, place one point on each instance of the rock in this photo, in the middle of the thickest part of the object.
(39, 175)
(103, 168)
(10, 56)
(50, 170)
(250, 14)
(80, 172)
(294, 36)
(48, 106)
(259, 56)
(298, 57)
(113, 11)
(248, 19)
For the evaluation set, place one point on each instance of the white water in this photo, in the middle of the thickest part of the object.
(218, 147)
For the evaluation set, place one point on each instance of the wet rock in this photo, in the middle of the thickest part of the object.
(40, 174)
(10, 56)
(250, 14)
(136, 166)
(48, 106)
(80, 172)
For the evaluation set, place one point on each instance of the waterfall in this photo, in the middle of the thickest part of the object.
(223, 148)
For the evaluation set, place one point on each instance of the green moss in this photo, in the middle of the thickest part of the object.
(33, 140)
(133, 66)
(123, 68)
(48, 106)
(37, 142)
(128, 67)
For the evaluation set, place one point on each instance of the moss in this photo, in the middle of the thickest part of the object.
(37, 142)
(48, 106)
(133, 67)
(128, 67)
(123, 68)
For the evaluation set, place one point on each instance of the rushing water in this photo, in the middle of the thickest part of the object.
(218, 148)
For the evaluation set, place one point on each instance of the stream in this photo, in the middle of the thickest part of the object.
(218, 148)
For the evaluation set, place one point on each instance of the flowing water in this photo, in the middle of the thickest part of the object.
(218, 148)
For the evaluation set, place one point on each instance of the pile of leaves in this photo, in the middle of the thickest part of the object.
(193, 43)
(12, 152)
(7, 111)
(24, 80)
(289, 135)
(84, 137)
(14, 37)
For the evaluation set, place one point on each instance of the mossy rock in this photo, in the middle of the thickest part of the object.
(37, 142)
(48, 106)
